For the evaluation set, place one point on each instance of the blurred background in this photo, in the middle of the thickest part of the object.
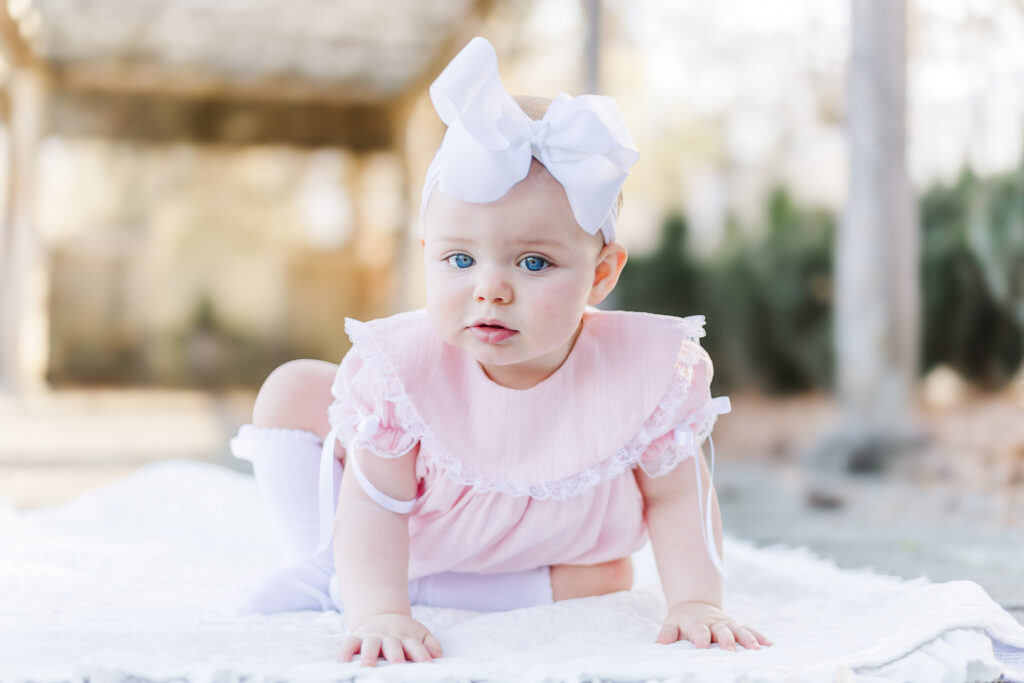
(196, 192)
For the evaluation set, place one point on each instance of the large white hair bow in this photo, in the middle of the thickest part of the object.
(582, 141)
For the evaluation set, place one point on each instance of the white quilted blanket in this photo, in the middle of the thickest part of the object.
(124, 584)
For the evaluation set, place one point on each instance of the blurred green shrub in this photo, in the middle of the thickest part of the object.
(972, 269)
(767, 293)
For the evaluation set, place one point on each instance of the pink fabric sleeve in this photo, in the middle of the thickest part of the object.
(686, 414)
(362, 415)
(361, 418)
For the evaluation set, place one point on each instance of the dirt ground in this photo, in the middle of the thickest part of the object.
(976, 442)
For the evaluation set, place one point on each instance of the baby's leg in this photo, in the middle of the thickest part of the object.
(284, 445)
(582, 580)
(296, 396)
(483, 592)
(514, 590)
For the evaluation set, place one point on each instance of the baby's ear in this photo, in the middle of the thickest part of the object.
(610, 262)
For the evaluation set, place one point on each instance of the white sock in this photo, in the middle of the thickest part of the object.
(483, 592)
(286, 466)
(477, 592)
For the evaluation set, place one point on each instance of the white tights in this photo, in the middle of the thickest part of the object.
(286, 466)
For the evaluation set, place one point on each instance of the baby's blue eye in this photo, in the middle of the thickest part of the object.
(534, 264)
(460, 260)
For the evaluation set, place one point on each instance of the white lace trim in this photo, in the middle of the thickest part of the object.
(247, 433)
(660, 422)
(252, 431)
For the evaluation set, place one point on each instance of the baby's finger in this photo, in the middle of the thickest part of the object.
(433, 647)
(416, 650)
(760, 638)
(669, 633)
(723, 636)
(745, 637)
(370, 650)
(349, 646)
(698, 634)
(392, 650)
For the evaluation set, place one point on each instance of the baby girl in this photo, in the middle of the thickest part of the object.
(510, 445)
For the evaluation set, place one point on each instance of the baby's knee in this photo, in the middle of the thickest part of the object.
(296, 396)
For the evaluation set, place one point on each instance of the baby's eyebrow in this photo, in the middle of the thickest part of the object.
(540, 243)
(451, 238)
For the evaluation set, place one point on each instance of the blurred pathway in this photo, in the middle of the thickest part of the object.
(890, 525)
(953, 511)
(56, 445)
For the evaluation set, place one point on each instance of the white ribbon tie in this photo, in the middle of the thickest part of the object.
(684, 438)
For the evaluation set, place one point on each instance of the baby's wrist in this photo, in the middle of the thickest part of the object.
(356, 621)
(701, 602)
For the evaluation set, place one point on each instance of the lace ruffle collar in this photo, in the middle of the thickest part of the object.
(590, 421)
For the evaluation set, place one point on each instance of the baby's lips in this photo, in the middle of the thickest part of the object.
(491, 322)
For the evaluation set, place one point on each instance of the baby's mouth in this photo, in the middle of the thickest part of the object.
(491, 332)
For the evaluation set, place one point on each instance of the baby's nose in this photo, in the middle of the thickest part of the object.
(492, 288)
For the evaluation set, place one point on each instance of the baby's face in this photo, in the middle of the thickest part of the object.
(507, 281)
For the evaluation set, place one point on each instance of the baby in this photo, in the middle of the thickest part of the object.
(510, 445)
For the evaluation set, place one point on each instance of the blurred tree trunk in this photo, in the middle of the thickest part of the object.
(877, 280)
(592, 47)
(24, 277)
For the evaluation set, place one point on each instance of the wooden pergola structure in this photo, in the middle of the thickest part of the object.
(305, 73)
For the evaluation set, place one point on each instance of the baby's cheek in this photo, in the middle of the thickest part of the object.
(442, 308)
(562, 306)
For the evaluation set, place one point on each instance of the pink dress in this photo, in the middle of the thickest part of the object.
(512, 479)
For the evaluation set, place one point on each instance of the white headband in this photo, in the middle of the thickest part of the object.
(582, 141)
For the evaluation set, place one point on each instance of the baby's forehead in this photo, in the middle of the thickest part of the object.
(534, 209)
(468, 233)
(457, 221)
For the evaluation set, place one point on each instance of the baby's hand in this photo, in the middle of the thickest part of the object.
(393, 635)
(703, 624)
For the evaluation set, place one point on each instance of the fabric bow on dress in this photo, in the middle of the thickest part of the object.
(582, 141)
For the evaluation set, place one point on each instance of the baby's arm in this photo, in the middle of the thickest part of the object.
(371, 554)
(692, 585)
